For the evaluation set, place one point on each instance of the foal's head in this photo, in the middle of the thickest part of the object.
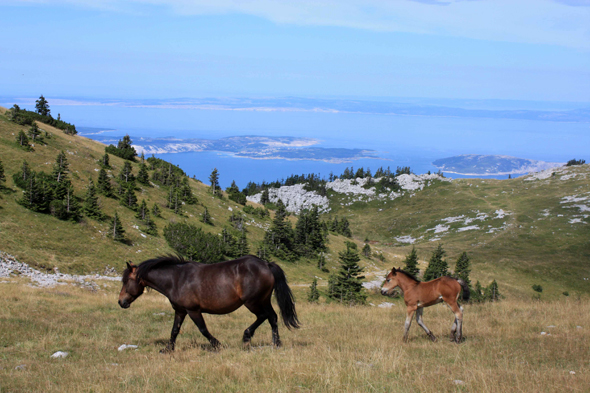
(391, 281)
(132, 287)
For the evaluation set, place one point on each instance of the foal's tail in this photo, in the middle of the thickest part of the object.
(465, 287)
(284, 297)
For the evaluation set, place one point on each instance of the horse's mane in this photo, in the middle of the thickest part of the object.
(407, 274)
(147, 266)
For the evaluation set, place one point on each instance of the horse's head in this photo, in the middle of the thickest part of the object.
(391, 281)
(132, 287)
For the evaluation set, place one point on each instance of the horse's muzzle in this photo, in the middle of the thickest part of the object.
(124, 304)
(384, 292)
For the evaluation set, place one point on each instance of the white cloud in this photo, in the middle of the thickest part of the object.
(554, 22)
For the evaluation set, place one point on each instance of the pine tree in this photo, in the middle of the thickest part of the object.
(23, 140)
(366, 250)
(309, 236)
(2, 175)
(60, 168)
(214, 179)
(42, 106)
(322, 262)
(344, 228)
(143, 176)
(156, 210)
(91, 208)
(314, 294)
(437, 266)
(349, 285)
(104, 161)
(279, 237)
(462, 269)
(34, 131)
(492, 292)
(265, 197)
(33, 196)
(187, 192)
(142, 211)
(129, 199)
(126, 174)
(411, 263)
(116, 231)
(104, 183)
(477, 294)
(206, 218)
(71, 204)
(242, 245)
(142, 157)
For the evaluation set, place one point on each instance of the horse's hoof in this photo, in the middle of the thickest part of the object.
(432, 337)
(166, 350)
(278, 343)
(216, 345)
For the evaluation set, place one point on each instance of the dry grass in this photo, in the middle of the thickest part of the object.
(338, 349)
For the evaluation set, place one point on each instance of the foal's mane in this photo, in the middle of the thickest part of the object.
(151, 264)
(409, 275)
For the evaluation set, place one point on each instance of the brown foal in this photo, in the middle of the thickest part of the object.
(418, 295)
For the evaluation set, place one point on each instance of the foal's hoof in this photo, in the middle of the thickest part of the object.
(278, 343)
(432, 337)
(216, 345)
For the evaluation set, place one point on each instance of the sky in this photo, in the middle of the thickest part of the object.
(154, 49)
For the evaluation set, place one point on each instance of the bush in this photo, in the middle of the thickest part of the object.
(191, 242)
(537, 288)
(575, 162)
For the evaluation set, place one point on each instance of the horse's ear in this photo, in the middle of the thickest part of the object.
(130, 265)
(393, 271)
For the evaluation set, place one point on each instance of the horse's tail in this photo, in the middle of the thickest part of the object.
(465, 287)
(284, 297)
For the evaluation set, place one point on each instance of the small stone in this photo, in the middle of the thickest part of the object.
(59, 354)
(572, 372)
(125, 346)
(21, 367)
(543, 333)
(551, 326)
(578, 327)
(458, 382)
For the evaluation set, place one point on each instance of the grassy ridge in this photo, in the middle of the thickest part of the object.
(339, 349)
(535, 243)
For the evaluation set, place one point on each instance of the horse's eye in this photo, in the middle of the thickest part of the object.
(388, 280)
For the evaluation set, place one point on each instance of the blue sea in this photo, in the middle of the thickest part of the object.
(399, 140)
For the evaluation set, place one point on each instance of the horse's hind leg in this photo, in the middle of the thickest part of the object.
(454, 330)
(422, 325)
(178, 320)
(261, 316)
(197, 318)
(272, 319)
(458, 325)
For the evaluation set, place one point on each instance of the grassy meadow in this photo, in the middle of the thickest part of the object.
(338, 349)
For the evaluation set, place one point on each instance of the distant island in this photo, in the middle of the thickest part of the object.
(254, 147)
(474, 164)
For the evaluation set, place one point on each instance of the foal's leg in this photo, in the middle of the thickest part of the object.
(261, 316)
(422, 325)
(197, 318)
(408, 323)
(458, 321)
(454, 330)
(178, 320)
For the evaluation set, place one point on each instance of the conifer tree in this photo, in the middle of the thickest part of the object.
(143, 176)
(129, 199)
(206, 218)
(71, 205)
(309, 236)
(366, 250)
(126, 174)
(462, 268)
(142, 211)
(60, 168)
(34, 131)
(349, 285)
(279, 237)
(187, 192)
(411, 263)
(104, 161)
(492, 292)
(477, 294)
(322, 262)
(2, 175)
(33, 196)
(344, 228)
(23, 140)
(437, 266)
(265, 197)
(235, 195)
(116, 231)
(156, 210)
(314, 294)
(42, 106)
(142, 157)
(104, 183)
(214, 179)
(242, 244)
(91, 208)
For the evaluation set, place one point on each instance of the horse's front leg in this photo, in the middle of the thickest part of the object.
(178, 320)
(408, 323)
(197, 318)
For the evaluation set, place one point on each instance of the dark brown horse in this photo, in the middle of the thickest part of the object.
(195, 288)
(418, 295)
